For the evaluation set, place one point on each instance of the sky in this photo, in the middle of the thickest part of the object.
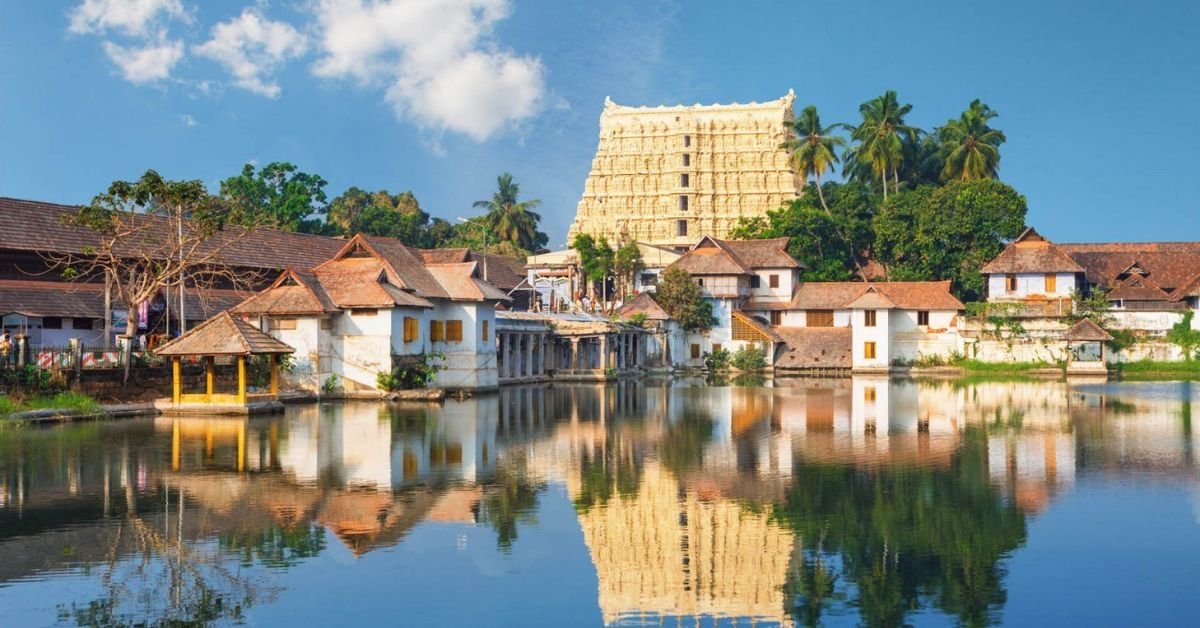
(1099, 99)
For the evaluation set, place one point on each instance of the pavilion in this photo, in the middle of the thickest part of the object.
(227, 337)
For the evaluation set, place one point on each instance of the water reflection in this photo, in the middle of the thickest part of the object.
(791, 502)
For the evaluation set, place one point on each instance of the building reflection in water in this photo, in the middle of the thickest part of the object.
(780, 503)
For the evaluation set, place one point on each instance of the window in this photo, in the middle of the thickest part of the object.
(283, 323)
(869, 393)
(923, 318)
(868, 318)
(755, 281)
(695, 351)
(687, 160)
(483, 336)
(869, 350)
(51, 322)
(649, 279)
(684, 180)
(776, 318)
(681, 225)
(83, 323)
(326, 323)
(364, 312)
(454, 331)
(410, 329)
(774, 280)
(1010, 283)
(716, 346)
(687, 141)
(683, 203)
(1051, 283)
(437, 331)
(819, 318)
(700, 281)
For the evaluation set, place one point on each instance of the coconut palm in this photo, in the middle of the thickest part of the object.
(814, 150)
(881, 138)
(971, 148)
(511, 219)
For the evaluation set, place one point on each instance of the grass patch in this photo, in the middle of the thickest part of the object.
(66, 401)
(1156, 368)
(975, 366)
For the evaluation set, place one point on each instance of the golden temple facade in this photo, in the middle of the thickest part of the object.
(670, 175)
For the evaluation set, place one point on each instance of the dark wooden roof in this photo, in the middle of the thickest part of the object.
(814, 348)
(1031, 253)
(643, 304)
(908, 295)
(711, 256)
(86, 299)
(223, 335)
(1087, 331)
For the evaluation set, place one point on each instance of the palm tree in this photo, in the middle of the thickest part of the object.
(971, 147)
(881, 138)
(513, 220)
(814, 149)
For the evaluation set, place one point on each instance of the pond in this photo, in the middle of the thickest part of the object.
(657, 502)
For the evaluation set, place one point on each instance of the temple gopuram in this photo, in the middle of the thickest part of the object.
(670, 175)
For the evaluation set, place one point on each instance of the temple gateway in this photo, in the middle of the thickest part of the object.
(670, 175)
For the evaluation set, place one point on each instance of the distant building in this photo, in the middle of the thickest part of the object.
(669, 175)
(554, 278)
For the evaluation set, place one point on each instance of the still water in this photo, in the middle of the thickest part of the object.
(792, 502)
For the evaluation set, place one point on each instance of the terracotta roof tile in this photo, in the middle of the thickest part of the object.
(1170, 265)
(86, 299)
(643, 304)
(1137, 288)
(909, 295)
(223, 335)
(462, 283)
(1087, 331)
(294, 293)
(711, 256)
(1031, 253)
(814, 348)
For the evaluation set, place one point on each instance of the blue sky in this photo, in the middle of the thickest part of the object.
(1099, 100)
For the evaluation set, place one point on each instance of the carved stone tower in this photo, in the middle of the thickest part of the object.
(670, 175)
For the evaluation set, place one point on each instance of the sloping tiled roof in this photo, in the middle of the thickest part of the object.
(362, 282)
(37, 226)
(908, 295)
(1031, 253)
(405, 267)
(461, 283)
(86, 299)
(223, 335)
(643, 304)
(294, 292)
(1137, 288)
(708, 258)
(872, 299)
(1189, 289)
(1171, 265)
(1087, 331)
(814, 348)
(711, 256)
(756, 254)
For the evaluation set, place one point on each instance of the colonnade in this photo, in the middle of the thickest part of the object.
(536, 354)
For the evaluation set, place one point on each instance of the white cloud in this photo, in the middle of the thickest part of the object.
(145, 64)
(252, 47)
(130, 17)
(442, 65)
(187, 120)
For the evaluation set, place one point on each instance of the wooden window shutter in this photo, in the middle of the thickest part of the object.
(454, 331)
(410, 329)
(1051, 282)
(484, 336)
(437, 331)
(869, 350)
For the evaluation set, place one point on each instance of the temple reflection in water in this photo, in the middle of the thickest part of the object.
(778, 503)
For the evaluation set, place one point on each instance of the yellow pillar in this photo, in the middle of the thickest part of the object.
(176, 379)
(209, 376)
(242, 379)
(274, 375)
(241, 453)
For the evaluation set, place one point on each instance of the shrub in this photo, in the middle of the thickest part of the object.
(330, 385)
(417, 374)
(717, 360)
(749, 358)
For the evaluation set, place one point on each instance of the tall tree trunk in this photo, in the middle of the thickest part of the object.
(895, 179)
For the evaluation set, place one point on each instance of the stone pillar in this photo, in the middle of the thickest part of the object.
(604, 352)
(542, 358)
(574, 353)
(529, 370)
(506, 347)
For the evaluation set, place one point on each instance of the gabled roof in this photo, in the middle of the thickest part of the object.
(462, 283)
(293, 293)
(503, 272)
(405, 269)
(643, 304)
(711, 256)
(1137, 288)
(1031, 253)
(871, 299)
(907, 295)
(364, 282)
(1189, 289)
(86, 299)
(223, 335)
(1087, 331)
(757, 326)
(1171, 265)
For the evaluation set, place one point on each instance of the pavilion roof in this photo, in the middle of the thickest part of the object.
(224, 335)
(1087, 331)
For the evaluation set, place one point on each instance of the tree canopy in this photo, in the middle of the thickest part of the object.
(279, 195)
(512, 219)
(683, 300)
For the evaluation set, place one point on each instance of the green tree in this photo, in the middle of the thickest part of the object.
(389, 215)
(814, 150)
(627, 263)
(681, 298)
(881, 138)
(971, 147)
(512, 219)
(596, 259)
(278, 195)
(1183, 336)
